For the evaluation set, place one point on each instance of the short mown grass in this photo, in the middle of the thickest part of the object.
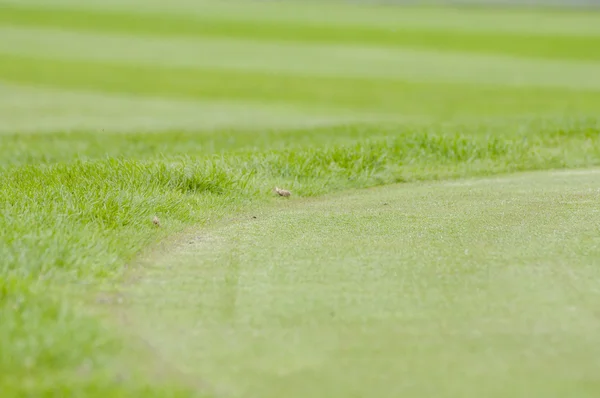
(467, 288)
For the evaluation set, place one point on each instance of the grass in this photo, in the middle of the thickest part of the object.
(196, 118)
(80, 222)
(450, 289)
(214, 25)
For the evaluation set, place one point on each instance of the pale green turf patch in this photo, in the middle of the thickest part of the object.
(302, 58)
(484, 288)
(63, 110)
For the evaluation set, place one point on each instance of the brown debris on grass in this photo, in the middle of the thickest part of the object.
(283, 192)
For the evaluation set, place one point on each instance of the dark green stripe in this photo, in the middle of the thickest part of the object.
(551, 46)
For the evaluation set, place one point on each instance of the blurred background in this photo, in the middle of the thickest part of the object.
(133, 65)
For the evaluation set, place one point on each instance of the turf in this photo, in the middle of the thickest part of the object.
(467, 289)
(113, 112)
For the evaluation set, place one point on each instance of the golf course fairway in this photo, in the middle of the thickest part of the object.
(440, 240)
(470, 288)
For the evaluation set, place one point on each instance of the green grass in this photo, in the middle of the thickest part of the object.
(80, 222)
(470, 289)
(516, 43)
(115, 112)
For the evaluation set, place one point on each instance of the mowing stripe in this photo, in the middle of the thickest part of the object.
(60, 110)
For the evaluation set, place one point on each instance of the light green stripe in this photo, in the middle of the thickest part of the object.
(31, 109)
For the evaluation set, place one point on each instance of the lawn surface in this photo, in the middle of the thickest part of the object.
(462, 289)
(113, 112)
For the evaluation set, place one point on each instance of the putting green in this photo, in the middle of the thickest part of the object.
(456, 289)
